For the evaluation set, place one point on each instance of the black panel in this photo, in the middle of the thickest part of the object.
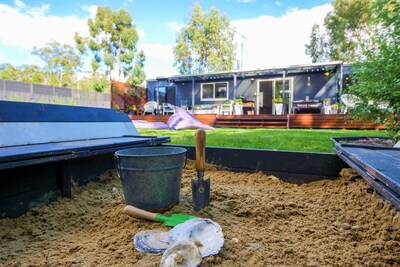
(289, 164)
(34, 112)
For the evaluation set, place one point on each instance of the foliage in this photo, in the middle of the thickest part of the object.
(347, 29)
(99, 83)
(62, 63)
(24, 73)
(205, 43)
(138, 92)
(317, 47)
(8, 72)
(238, 101)
(112, 39)
(307, 140)
(277, 100)
(378, 76)
(335, 106)
(137, 75)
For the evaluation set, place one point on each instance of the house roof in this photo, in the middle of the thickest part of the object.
(294, 69)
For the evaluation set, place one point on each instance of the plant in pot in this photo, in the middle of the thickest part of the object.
(278, 104)
(131, 109)
(334, 109)
(238, 106)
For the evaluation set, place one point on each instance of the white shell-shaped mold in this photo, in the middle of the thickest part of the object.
(204, 233)
(182, 254)
(151, 241)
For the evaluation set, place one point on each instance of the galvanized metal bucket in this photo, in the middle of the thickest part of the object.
(151, 176)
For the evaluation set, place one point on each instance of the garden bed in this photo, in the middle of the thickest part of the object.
(266, 222)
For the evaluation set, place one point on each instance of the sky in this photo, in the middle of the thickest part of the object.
(269, 33)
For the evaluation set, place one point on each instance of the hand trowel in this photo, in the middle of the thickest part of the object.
(200, 186)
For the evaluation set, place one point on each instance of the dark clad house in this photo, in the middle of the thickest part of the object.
(294, 86)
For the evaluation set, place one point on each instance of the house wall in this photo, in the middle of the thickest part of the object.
(321, 87)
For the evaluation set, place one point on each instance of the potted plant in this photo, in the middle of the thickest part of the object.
(327, 101)
(278, 105)
(131, 109)
(334, 109)
(238, 106)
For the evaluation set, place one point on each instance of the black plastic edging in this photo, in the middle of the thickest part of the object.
(302, 164)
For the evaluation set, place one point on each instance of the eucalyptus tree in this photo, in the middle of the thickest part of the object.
(61, 63)
(112, 40)
(205, 43)
(346, 32)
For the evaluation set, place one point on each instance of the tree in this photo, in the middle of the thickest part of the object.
(24, 73)
(8, 72)
(377, 72)
(317, 47)
(62, 63)
(112, 40)
(137, 75)
(31, 74)
(346, 28)
(205, 43)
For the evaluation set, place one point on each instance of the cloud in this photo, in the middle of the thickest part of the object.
(277, 3)
(159, 60)
(141, 34)
(245, 1)
(291, 9)
(19, 4)
(92, 9)
(2, 57)
(38, 11)
(173, 26)
(27, 27)
(276, 42)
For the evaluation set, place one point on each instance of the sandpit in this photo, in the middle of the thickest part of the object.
(266, 222)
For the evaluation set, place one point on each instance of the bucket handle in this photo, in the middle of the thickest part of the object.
(116, 162)
(184, 165)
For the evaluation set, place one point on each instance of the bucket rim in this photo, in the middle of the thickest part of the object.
(128, 152)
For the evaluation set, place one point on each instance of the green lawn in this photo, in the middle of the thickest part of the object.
(308, 140)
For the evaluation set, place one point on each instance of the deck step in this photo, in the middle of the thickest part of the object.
(315, 121)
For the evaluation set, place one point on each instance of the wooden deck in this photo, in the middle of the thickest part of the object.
(314, 121)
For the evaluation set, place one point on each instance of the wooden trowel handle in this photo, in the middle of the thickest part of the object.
(200, 150)
(138, 213)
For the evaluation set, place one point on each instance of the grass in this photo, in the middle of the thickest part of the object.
(306, 140)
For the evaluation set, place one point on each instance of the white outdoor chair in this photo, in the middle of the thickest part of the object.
(150, 107)
(226, 108)
(167, 108)
(349, 101)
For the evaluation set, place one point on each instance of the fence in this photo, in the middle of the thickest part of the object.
(29, 92)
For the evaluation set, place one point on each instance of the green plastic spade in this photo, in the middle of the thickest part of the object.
(171, 221)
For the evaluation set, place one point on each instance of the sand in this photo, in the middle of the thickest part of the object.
(265, 221)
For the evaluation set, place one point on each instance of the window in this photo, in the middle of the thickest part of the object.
(214, 91)
(165, 94)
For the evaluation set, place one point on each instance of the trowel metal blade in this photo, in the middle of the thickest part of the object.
(200, 193)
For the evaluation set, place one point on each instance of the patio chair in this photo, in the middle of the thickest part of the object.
(226, 108)
(150, 107)
(167, 108)
(349, 101)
